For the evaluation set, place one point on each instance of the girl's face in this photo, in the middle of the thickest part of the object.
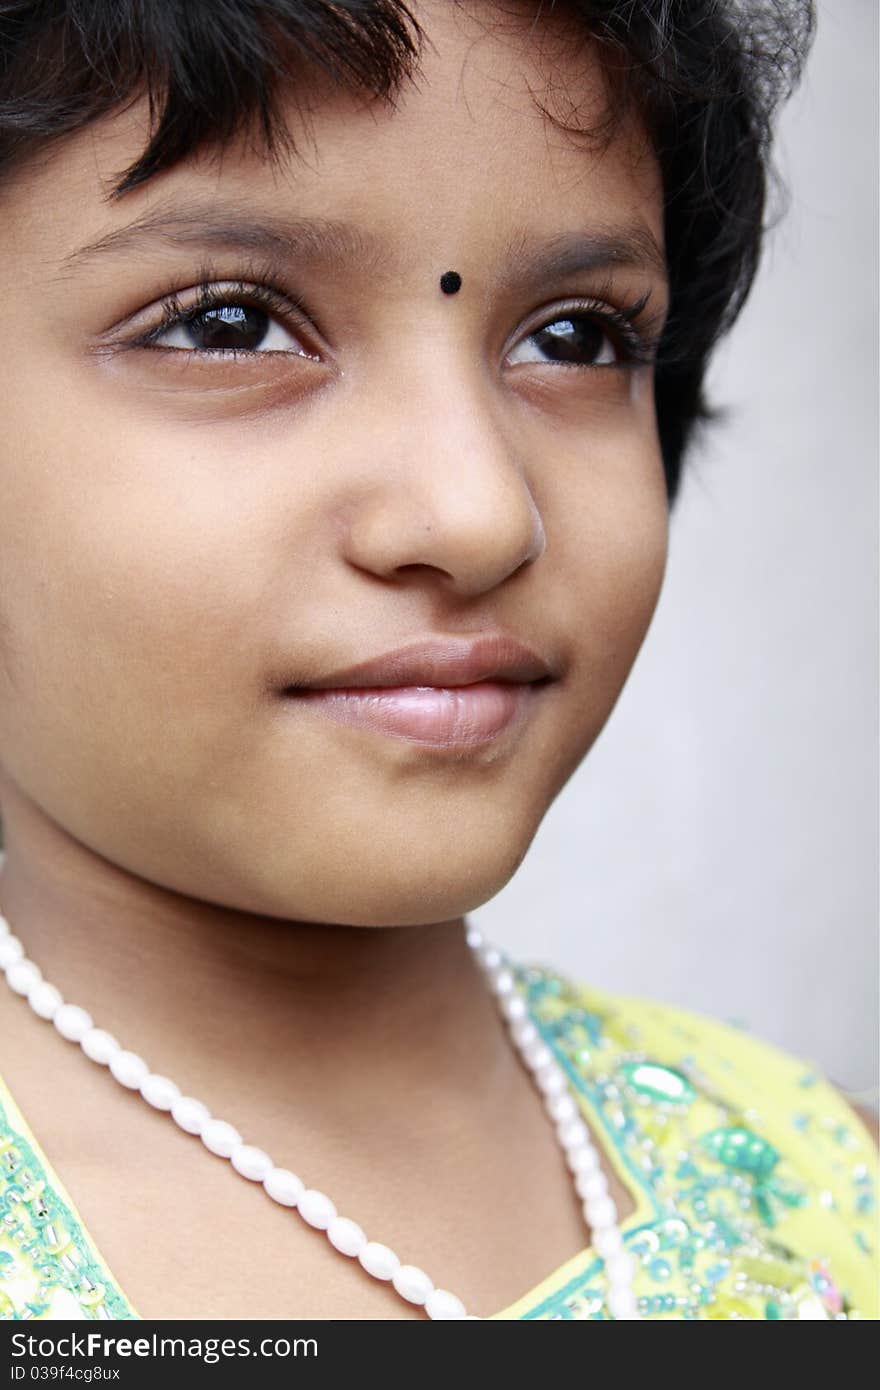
(184, 532)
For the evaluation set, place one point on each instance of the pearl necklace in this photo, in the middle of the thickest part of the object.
(315, 1207)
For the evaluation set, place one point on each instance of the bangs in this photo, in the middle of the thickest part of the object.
(209, 71)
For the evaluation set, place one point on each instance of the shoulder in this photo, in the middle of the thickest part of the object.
(869, 1120)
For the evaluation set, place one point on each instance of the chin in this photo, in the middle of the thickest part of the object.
(413, 886)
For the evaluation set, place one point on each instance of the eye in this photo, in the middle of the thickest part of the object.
(224, 322)
(229, 327)
(581, 337)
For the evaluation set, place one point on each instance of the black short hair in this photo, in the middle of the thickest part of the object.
(706, 77)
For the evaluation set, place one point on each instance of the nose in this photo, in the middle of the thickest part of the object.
(445, 492)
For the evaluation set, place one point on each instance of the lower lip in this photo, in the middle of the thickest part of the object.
(446, 717)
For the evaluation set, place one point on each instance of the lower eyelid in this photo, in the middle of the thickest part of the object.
(231, 353)
(224, 354)
(150, 341)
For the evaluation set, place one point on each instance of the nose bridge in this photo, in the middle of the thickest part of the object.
(446, 407)
(460, 492)
(440, 395)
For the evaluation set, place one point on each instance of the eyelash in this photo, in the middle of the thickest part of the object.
(639, 333)
(636, 332)
(212, 296)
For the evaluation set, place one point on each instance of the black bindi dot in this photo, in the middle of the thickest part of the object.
(450, 282)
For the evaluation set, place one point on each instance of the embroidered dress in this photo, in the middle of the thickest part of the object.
(754, 1183)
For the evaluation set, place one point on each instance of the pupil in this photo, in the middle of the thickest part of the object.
(570, 340)
(230, 326)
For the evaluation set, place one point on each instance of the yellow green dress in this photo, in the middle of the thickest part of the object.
(754, 1182)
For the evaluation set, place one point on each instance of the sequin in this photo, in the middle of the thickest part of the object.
(737, 1147)
(654, 1082)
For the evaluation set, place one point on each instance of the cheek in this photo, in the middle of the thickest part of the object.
(611, 552)
(624, 552)
(129, 578)
(126, 536)
(600, 485)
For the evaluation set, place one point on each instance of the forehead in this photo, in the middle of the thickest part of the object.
(465, 159)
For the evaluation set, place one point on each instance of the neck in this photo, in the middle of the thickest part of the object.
(222, 1000)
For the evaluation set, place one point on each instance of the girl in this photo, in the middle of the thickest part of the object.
(358, 350)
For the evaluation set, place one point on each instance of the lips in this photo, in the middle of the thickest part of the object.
(441, 662)
(447, 717)
(446, 692)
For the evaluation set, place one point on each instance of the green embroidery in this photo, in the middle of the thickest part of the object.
(44, 1240)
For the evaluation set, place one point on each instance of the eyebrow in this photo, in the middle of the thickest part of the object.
(602, 247)
(333, 243)
(232, 229)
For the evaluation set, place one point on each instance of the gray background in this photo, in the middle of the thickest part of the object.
(718, 847)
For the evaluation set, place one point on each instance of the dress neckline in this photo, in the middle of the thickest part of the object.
(530, 1300)
(644, 1206)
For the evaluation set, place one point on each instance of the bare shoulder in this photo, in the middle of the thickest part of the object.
(867, 1117)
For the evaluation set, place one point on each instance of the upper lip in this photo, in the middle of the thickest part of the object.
(441, 661)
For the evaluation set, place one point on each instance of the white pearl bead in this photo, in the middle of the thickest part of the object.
(536, 1054)
(501, 981)
(346, 1235)
(622, 1303)
(572, 1133)
(489, 957)
(316, 1208)
(379, 1260)
(283, 1186)
(4, 926)
(513, 1006)
(21, 974)
(129, 1069)
(550, 1079)
(591, 1185)
(600, 1213)
(607, 1242)
(220, 1137)
(251, 1162)
(583, 1159)
(99, 1045)
(11, 950)
(72, 1022)
(474, 937)
(44, 999)
(523, 1031)
(412, 1283)
(159, 1091)
(190, 1114)
(619, 1267)
(562, 1107)
(441, 1304)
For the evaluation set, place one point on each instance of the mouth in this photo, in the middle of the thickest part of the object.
(452, 717)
